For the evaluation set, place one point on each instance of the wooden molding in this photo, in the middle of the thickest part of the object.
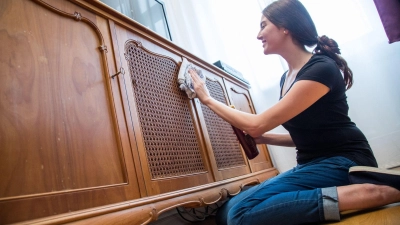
(245, 95)
(145, 210)
(139, 45)
(78, 17)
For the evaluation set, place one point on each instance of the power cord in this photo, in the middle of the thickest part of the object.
(194, 215)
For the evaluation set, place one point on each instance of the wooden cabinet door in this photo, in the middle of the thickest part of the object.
(227, 157)
(240, 98)
(63, 137)
(167, 135)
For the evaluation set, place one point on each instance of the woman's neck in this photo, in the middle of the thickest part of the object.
(295, 56)
(296, 59)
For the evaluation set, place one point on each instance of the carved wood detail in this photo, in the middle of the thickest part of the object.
(78, 17)
(148, 209)
(245, 95)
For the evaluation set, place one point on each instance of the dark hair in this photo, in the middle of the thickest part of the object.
(293, 16)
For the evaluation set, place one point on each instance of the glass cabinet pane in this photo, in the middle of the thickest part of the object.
(149, 13)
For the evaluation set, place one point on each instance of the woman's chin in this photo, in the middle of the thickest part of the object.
(269, 51)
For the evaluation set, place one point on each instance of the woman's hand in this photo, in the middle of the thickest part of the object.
(199, 87)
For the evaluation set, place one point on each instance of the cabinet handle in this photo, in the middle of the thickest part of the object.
(121, 71)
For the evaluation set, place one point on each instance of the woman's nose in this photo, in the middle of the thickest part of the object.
(259, 36)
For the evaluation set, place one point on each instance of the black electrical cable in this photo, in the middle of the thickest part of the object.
(194, 215)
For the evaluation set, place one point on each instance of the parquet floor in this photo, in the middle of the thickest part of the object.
(387, 215)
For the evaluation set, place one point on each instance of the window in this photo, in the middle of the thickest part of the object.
(149, 13)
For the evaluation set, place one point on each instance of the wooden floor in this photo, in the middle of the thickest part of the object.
(388, 215)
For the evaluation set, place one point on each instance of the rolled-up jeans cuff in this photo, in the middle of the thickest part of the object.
(330, 204)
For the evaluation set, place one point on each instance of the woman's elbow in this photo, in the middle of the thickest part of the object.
(255, 132)
(258, 129)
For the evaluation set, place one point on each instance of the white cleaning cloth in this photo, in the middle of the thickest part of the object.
(185, 80)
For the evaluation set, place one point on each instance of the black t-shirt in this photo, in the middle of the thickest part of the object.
(325, 129)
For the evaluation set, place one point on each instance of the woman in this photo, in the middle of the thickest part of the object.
(313, 108)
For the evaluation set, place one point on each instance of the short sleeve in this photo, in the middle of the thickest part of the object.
(321, 69)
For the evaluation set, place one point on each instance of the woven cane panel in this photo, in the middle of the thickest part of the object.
(223, 140)
(169, 136)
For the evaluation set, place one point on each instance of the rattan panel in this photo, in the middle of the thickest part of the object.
(170, 140)
(223, 140)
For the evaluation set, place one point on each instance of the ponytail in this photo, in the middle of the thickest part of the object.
(329, 47)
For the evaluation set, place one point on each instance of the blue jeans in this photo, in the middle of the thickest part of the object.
(305, 194)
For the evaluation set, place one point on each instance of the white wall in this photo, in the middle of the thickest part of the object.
(226, 30)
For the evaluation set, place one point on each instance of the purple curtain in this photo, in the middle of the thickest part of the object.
(389, 11)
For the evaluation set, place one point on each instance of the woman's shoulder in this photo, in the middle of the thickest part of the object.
(321, 63)
(321, 68)
(317, 58)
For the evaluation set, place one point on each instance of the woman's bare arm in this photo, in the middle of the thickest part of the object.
(284, 140)
(302, 95)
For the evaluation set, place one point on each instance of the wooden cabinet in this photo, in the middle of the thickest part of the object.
(93, 126)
